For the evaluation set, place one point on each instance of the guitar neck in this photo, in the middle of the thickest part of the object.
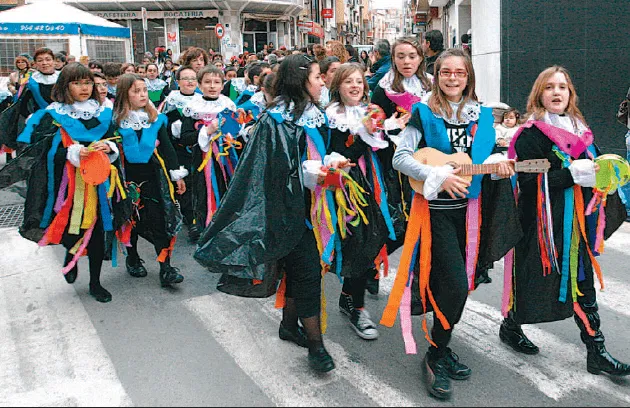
(475, 169)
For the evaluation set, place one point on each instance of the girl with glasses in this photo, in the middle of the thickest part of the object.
(63, 205)
(173, 107)
(453, 222)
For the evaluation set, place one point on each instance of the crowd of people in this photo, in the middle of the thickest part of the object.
(286, 165)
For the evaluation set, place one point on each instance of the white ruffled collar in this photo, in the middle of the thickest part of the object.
(312, 117)
(201, 108)
(108, 104)
(45, 79)
(259, 100)
(111, 89)
(252, 88)
(79, 110)
(176, 100)
(350, 119)
(565, 122)
(412, 85)
(4, 93)
(156, 84)
(470, 113)
(136, 120)
(346, 118)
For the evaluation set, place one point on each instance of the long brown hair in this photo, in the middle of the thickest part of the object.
(535, 106)
(438, 102)
(122, 106)
(21, 58)
(342, 73)
(397, 85)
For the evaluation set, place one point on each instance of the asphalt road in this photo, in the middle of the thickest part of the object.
(193, 345)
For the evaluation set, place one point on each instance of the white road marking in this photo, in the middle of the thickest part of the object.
(559, 369)
(50, 353)
(279, 368)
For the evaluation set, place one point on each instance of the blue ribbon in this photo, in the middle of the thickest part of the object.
(50, 167)
(384, 205)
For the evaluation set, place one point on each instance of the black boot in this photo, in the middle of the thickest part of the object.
(373, 283)
(598, 359)
(194, 232)
(436, 377)
(482, 276)
(319, 359)
(169, 275)
(511, 334)
(297, 335)
(135, 267)
(72, 274)
(456, 370)
(100, 293)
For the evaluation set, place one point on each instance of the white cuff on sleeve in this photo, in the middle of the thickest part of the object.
(583, 172)
(311, 170)
(433, 183)
(178, 174)
(331, 160)
(494, 159)
(204, 139)
(74, 154)
(176, 129)
(113, 155)
(373, 140)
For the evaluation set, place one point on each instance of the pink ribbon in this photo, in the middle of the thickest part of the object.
(405, 322)
(472, 246)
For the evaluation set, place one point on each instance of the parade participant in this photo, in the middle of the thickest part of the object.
(173, 108)
(328, 66)
(554, 265)
(95, 66)
(196, 58)
(141, 70)
(214, 155)
(273, 197)
(336, 49)
(348, 116)
(128, 68)
(253, 74)
(158, 88)
(112, 71)
(100, 83)
(36, 95)
(447, 233)
(230, 74)
(60, 61)
(150, 164)
(67, 203)
(167, 70)
(19, 77)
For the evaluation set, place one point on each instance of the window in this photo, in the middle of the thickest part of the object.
(155, 37)
(12, 47)
(198, 32)
(107, 51)
(255, 26)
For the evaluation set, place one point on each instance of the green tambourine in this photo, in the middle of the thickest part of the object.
(614, 172)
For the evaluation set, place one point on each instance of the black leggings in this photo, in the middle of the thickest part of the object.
(304, 276)
(95, 250)
(356, 287)
(448, 281)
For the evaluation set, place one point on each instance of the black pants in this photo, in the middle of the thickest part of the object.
(448, 282)
(356, 287)
(304, 276)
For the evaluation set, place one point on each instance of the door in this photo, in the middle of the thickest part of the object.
(248, 42)
(261, 41)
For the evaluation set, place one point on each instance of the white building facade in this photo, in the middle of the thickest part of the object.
(178, 24)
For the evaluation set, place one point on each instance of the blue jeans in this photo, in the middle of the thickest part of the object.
(625, 190)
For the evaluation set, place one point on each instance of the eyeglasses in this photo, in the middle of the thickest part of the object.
(444, 73)
(101, 85)
(82, 83)
(189, 79)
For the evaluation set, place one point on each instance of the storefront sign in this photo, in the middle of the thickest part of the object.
(311, 28)
(137, 15)
(171, 36)
(328, 13)
(18, 28)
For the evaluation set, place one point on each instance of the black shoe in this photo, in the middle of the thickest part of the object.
(482, 277)
(100, 293)
(346, 306)
(373, 285)
(71, 276)
(363, 325)
(169, 275)
(599, 360)
(194, 233)
(436, 376)
(298, 337)
(455, 369)
(135, 267)
(513, 336)
(320, 361)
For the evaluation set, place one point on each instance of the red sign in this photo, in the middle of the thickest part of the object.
(311, 28)
(219, 31)
(421, 18)
(328, 13)
(172, 37)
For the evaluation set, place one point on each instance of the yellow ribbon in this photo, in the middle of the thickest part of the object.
(91, 205)
(77, 205)
(171, 190)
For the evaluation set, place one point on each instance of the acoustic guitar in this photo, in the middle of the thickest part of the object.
(433, 157)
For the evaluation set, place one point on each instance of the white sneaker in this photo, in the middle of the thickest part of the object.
(363, 325)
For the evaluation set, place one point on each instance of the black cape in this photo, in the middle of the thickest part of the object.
(262, 215)
(535, 295)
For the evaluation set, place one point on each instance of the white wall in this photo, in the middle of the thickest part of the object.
(486, 48)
